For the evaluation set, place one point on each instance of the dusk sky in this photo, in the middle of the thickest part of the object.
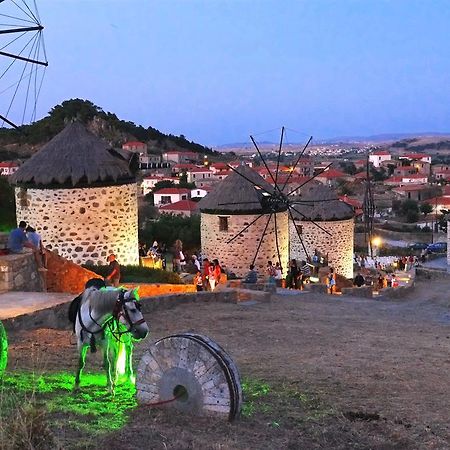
(217, 71)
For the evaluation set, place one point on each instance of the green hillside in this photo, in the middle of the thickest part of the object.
(25, 140)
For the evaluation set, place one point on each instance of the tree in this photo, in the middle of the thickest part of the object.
(410, 210)
(7, 205)
(426, 208)
(348, 167)
(163, 184)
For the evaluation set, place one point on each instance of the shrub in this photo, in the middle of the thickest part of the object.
(138, 274)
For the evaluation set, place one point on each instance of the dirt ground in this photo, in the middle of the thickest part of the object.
(319, 372)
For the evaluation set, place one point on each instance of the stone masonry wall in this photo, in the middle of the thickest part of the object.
(338, 246)
(84, 225)
(19, 273)
(238, 255)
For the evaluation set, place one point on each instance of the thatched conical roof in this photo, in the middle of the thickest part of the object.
(73, 157)
(238, 195)
(323, 204)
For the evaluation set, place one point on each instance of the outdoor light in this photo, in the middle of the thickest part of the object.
(376, 241)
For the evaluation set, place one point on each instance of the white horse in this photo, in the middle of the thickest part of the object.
(109, 318)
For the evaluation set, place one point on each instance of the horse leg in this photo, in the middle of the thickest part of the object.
(129, 361)
(81, 363)
(110, 361)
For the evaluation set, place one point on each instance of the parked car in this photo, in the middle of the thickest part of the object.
(418, 246)
(437, 247)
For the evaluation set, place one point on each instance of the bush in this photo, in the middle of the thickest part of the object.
(138, 274)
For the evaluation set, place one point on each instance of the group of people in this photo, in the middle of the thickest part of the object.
(208, 275)
(298, 274)
(24, 239)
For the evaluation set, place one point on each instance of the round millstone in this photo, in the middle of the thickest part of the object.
(192, 373)
(3, 349)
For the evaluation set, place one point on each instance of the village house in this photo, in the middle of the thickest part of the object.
(331, 177)
(185, 208)
(8, 168)
(135, 146)
(198, 174)
(183, 167)
(178, 157)
(149, 182)
(416, 157)
(170, 195)
(418, 192)
(378, 157)
(406, 179)
(200, 192)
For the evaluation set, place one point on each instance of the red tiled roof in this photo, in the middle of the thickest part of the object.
(415, 155)
(332, 173)
(411, 187)
(394, 180)
(381, 153)
(438, 201)
(351, 201)
(220, 166)
(168, 191)
(182, 205)
(8, 164)
(200, 170)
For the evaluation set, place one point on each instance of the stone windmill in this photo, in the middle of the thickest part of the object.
(81, 196)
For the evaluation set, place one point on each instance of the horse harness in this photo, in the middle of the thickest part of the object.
(118, 312)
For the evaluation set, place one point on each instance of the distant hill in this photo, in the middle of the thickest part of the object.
(386, 137)
(432, 144)
(24, 141)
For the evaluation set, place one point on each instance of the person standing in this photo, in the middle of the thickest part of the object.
(205, 274)
(113, 277)
(278, 274)
(331, 281)
(294, 273)
(217, 271)
(198, 281)
(270, 272)
(212, 276)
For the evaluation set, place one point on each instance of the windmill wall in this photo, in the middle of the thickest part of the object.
(338, 246)
(238, 255)
(84, 225)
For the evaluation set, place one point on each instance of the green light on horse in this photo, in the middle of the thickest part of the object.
(3, 349)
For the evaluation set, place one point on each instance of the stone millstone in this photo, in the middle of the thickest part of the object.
(191, 373)
(3, 349)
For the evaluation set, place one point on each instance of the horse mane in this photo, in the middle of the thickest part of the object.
(101, 300)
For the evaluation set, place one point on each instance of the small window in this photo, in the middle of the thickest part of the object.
(299, 229)
(223, 223)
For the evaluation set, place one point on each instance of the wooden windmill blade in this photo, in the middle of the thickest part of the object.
(23, 61)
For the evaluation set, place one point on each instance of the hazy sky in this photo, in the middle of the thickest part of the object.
(217, 71)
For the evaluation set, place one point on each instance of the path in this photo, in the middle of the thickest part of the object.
(438, 263)
(13, 304)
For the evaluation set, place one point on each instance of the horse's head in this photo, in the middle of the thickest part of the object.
(130, 315)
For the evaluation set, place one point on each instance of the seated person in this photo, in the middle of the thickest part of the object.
(359, 280)
(252, 275)
(18, 239)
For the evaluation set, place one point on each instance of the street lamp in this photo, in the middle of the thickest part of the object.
(376, 244)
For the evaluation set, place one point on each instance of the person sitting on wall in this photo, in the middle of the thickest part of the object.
(18, 242)
(252, 275)
(35, 238)
(359, 280)
(113, 277)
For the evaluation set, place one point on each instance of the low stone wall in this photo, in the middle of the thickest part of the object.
(428, 273)
(151, 290)
(18, 272)
(56, 317)
(363, 291)
(317, 288)
(239, 284)
(65, 276)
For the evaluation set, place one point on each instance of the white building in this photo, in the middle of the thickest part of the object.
(8, 168)
(378, 157)
(148, 183)
(170, 195)
(199, 174)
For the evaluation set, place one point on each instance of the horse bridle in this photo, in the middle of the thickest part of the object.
(120, 311)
